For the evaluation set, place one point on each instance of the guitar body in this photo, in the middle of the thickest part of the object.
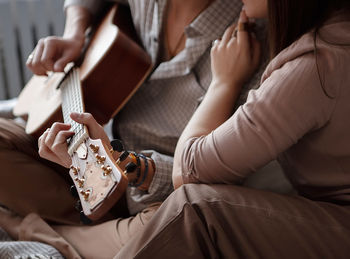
(113, 68)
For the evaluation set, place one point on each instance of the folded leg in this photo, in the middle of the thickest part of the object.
(225, 221)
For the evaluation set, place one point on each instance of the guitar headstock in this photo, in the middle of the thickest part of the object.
(100, 182)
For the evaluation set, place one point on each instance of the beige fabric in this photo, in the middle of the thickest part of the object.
(290, 117)
(226, 221)
(101, 241)
(29, 183)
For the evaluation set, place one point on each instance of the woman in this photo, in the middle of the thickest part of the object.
(300, 115)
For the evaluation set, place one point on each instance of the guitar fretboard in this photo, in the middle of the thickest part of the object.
(72, 101)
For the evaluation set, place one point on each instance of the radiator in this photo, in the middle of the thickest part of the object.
(22, 24)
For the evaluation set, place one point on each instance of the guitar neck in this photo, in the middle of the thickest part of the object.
(72, 101)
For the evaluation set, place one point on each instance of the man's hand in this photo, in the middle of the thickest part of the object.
(53, 142)
(54, 53)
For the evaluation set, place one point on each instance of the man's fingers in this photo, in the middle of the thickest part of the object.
(95, 129)
(49, 51)
(36, 65)
(60, 147)
(53, 132)
(37, 52)
(42, 138)
(61, 63)
(46, 153)
(44, 150)
(84, 118)
(58, 151)
(61, 138)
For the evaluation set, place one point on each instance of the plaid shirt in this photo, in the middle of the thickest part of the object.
(155, 116)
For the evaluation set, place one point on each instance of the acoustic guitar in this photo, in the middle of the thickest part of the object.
(113, 68)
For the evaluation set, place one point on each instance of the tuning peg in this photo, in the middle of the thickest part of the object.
(117, 145)
(100, 159)
(74, 191)
(130, 167)
(85, 220)
(74, 169)
(94, 148)
(81, 183)
(107, 169)
(122, 157)
(85, 194)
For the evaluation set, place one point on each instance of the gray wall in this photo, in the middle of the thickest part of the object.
(22, 24)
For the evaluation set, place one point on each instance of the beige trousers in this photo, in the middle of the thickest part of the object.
(29, 183)
(225, 221)
(100, 241)
(31, 186)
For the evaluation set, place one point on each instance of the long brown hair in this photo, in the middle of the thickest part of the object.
(290, 19)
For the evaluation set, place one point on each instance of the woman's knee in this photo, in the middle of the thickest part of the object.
(195, 193)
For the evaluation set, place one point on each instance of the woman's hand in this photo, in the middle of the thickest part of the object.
(53, 142)
(235, 57)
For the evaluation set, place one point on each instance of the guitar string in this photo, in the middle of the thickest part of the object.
(72, 102)
(77, 105)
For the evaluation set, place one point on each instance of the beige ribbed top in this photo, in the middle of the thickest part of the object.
(290, 117)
